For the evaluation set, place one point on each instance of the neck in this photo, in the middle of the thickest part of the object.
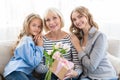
(55, 35)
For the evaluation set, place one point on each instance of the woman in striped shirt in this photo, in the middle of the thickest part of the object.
(53, 23)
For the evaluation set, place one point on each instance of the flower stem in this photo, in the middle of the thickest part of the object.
(48, 75)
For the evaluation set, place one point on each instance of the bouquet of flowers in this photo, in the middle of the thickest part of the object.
(57, 52)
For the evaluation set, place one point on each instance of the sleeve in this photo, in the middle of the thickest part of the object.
(92, 61)
(28, 52)
(77, 63)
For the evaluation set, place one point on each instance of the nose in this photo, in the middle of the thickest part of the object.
(37, 28)
(51, 21)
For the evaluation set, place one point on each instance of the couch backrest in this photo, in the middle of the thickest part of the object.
(114, 47)
(5, 54)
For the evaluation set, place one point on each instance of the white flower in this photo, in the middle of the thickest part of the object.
(66, 46)
(58, 45)
(49, 52)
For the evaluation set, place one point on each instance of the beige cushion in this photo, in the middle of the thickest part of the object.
(115, 62)
(5, 54)
(114, 47)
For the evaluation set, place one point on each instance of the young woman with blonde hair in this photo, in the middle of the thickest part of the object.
(91, 45)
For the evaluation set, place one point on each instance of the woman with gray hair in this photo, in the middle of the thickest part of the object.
(53, 24)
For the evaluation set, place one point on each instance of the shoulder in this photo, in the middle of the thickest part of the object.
(65, 34)
(47, 34)
(101, 37)
(73, 36)
(101, 34)
(26, 39)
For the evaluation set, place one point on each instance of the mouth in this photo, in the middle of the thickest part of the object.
(53, 26)
(80, 24)
(35, 32)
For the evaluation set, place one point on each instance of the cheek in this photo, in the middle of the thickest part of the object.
(47, 25)
(85, 20)
(74, 23)
(30, 29)
(40, 29)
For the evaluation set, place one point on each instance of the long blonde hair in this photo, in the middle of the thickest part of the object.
(25, 30)
(84, 12)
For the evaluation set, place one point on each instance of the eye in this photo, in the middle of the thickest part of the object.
(47, 20)
(54, 18)
(73, 19)
(34, 25)
(80, 16)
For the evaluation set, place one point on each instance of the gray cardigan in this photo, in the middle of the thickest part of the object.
(94, 57)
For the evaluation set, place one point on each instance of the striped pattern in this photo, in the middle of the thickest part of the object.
(71, 55)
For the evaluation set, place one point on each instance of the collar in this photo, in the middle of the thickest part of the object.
(92, 31)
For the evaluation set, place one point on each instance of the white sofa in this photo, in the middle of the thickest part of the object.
(114, 56)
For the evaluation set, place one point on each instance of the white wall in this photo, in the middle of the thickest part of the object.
(105, 12)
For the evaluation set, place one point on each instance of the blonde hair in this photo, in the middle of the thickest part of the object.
(84, 12)
(25, 30)
(53, 10)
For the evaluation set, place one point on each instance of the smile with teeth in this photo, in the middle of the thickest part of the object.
(79, 24)
(52, 26)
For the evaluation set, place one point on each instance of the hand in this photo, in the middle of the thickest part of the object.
(71, 74)
(76, 43)
(38, 40)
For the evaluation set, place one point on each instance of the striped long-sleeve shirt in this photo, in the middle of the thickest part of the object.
(71, 54)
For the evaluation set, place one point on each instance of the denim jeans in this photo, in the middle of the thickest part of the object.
(71, 79)
(54, 77)
(17, 75)
(97, 79)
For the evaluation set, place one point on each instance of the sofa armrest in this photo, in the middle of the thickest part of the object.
(5, 54)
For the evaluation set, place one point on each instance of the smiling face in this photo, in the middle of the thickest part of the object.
(52, 21)
(35, 27)
(80, 21)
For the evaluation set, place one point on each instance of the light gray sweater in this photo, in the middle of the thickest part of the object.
(94, 57)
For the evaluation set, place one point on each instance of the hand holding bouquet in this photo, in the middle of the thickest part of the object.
(55, 60)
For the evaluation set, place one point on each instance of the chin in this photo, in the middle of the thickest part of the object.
(34, 34)
(81, 27)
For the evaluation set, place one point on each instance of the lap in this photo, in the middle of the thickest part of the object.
(18, 75)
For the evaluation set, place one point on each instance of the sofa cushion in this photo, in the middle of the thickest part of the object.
(115, 62)
(114, 47)
(5, 54)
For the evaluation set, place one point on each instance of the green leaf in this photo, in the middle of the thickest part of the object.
(63, 51)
